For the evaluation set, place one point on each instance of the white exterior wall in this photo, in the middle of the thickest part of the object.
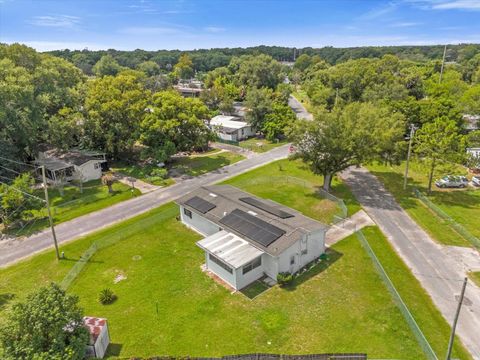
(248, 278)
(474, 151)
(228, 137)
(88, 170)
(270, 266)
(247, 132)
(102, 342)
(315, 245)
(199, 223)
(221, 272)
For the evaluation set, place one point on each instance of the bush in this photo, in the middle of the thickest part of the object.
(107, 296)
(159, 173)
(284, 278)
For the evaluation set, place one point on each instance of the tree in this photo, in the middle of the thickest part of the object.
(184, 67)
(277, 121)
(17, 199)
(470, 100)
(48, 325)
(107, 65)
(150, 68)
(115, 107)
(65, 129)
(108, 180)
(174, 120)
(334, 141)
(437, 142)
(257, 71)
(259, 103)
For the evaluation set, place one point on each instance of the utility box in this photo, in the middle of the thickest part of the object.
(99, 336)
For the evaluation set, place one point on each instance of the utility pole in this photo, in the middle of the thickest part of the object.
(443, 64)
(412, 133)
(459, 307)
(44, 179)
(336, 96)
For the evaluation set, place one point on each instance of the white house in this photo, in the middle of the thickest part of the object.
(99, 336)
(247, 238)
(66, 166)
(475, 151)
(231, 128)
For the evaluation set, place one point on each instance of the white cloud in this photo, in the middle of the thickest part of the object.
(59, 21)
(152, 30)
(380, 11)
(404, 24)
(469, 5)
(214, 29)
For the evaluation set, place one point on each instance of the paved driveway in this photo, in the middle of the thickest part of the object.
(441, 275)
(299, 109)
(14, 250)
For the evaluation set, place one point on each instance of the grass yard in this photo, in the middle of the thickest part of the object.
(141, 172)
(260, 145)
(291, 183)
(462, 205)
(195, 165)
(73, 204)
(475, 277)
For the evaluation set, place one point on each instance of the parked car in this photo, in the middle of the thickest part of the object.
(452, 181)
(476, 180)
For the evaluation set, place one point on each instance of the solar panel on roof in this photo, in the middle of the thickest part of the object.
(266, 207)
(252, 227)
(200, 205)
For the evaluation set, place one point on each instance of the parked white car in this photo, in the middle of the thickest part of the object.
(476, 180)
(452, 181)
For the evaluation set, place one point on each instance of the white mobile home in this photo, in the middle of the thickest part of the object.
(247, 238)
(230, 128)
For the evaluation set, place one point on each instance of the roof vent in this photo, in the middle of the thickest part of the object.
(213, 195)
(252, 212)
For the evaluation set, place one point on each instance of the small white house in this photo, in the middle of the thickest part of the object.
(247, 238)
(231, 128)
(99, 336)
(475, 151)
(71, 165)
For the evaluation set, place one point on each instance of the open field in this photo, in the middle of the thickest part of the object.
(199, 165)
(462, 205)
(165, 303)
(73, 204)
(260, 145)
(141, 173)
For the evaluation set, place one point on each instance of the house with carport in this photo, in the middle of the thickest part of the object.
(247, 238)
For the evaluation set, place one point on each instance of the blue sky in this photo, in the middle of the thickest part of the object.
(193, 24)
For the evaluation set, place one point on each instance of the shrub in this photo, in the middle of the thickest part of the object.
(159, 172)
(107, 296)
(284, 278)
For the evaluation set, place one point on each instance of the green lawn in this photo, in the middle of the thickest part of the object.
(293, 184)
(475, 277)
(260, 145)
(140, 172)
(461, 205)
(166, 301)
(196, 165)
(73, 203)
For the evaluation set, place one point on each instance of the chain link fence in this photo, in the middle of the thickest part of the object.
(110, 238)
(421, 339)
(475, 241)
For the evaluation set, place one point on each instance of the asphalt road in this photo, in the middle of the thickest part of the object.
(14, 250)
(299, 109)
(440, 275)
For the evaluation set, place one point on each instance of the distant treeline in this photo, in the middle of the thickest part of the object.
(208, 59)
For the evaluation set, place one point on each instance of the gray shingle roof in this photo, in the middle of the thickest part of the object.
(226, 198)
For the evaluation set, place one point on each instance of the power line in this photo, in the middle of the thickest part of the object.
(14, 171)
(18, 162)
(23, 192)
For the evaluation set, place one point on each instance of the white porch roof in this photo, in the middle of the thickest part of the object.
(230, 248)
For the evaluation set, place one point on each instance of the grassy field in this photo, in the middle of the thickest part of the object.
(462, 205)
(475, 277)
(260, 145)
(73, 204)
(196, 165)
(293, 184)
(166, 302)
(141, 172)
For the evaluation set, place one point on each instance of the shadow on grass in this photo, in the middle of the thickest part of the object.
(114, 349)
(5, 299)
(255, 289)
(331, 257)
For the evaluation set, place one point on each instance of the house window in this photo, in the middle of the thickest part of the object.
(243, 132)
(220, 263)
(304, 252)
(292, 260)
(187, 213)
(96, 165)
(252, 265)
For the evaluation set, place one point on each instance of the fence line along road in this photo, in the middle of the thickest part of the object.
(12, 251)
